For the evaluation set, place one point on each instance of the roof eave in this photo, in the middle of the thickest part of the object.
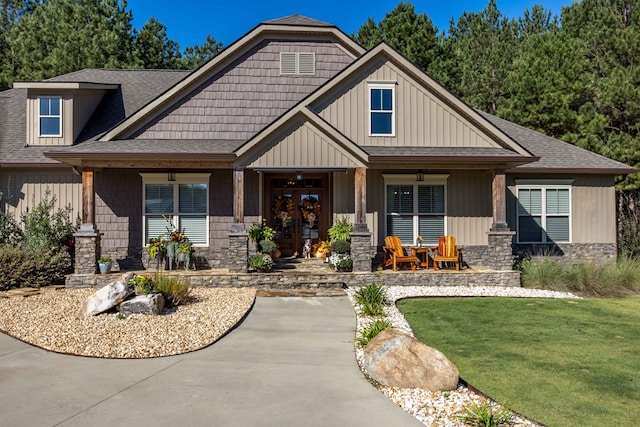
(592, 171)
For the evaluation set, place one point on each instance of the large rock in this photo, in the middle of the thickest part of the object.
(399, 360)
(143, 304)
(108, 296)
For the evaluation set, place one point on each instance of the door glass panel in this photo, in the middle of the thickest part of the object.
(283, 215)
(310, 210)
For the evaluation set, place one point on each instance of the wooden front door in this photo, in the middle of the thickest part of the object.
(297, 207)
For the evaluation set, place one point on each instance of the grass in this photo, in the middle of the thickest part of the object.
(561, 362)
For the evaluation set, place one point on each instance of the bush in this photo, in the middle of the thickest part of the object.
(259, 232)
(542, 274)
(371, 299)
(47, 228)
(340, 247)
(10, 232)
(142, 284)
(261, 262)
(175, 291)
(371, 331)
(267, 246)
(21, 267)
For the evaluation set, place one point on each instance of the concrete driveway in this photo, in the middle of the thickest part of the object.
(290, 363)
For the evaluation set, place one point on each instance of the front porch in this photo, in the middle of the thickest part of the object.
(314, 275)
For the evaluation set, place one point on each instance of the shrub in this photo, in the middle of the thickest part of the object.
(371, 331)
(340, 247)
(142, 284)
(175, 291)
(341, 261)
(371, 299)
(340, 230)
(261, 262)
(47, 228)
(10, 231)
(267, 246)
(542, 274)
(487, 414)
(21, 267)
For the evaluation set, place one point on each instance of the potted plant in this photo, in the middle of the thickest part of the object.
(340, 247)
(322, 249)
(104, 263)
(261, 262)
(341, 262)
(184, 250)
(259, 232)
(340, 230)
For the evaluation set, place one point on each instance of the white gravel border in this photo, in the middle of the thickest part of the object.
(438, 409)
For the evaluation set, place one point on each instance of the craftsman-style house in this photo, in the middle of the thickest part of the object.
(296, 124)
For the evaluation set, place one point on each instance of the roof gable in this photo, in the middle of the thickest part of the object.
(262, 32)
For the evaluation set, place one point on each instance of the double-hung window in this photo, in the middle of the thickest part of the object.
(382, 105)
(180, 204)
(544, 212)
(415, 208)
(50, 115)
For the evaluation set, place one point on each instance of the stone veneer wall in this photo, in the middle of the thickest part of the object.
(361, 251)
(321, 280)
(568, 253)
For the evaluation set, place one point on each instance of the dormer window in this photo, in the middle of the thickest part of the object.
(50, 116)
(296, 63)
(382, 109)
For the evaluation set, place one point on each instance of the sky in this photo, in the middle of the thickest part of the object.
(189, 22)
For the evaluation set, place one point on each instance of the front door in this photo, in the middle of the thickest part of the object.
(296, 206)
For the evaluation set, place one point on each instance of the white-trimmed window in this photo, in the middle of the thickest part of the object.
(416, 208)
(544, 212)
(382, 107)
(50, 115)
(181, 203)
(298, 63)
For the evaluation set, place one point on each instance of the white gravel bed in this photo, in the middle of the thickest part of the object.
(440, 408)
(49, 320)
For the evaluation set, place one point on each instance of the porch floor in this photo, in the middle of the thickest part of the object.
(311, 275)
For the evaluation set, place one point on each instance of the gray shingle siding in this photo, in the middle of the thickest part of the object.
(246, 96)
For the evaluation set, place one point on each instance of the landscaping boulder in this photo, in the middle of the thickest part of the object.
(399, 360)
(143, 304)
(108, 296)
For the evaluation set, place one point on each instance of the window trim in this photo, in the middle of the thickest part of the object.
(403, 179)
(388, 86)
(544, 185)
(180, 178)
(58, 116)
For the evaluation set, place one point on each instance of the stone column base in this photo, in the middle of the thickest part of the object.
(500, 250)
(361, 248)
(238, 254)
(87, 252)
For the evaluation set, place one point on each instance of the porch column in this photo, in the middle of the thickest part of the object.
(499, 254)
(238, 252)
(499, 198)
(361, 236)
(361, 198)
(87, 239)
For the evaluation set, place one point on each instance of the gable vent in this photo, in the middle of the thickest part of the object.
(295, 63)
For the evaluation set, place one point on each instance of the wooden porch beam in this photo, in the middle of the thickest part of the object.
(238, 196)
(361, 195)
(499, 200)
(88, 199)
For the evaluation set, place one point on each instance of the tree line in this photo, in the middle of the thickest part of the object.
(574, 77)
(40, 39)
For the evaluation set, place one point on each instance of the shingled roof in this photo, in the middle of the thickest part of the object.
(556, 155)
(298, 20)
(137, 88)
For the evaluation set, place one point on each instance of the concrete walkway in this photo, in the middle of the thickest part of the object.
(291, 363)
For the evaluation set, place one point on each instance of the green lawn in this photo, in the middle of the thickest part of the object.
(561, 362)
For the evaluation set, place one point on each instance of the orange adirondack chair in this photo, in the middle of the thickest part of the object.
(394, 254)
(447, 251)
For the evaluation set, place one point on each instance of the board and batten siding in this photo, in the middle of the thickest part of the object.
(33, 121)
(305, 147)
(469, 206)
(246, 96)
(422, 120)
(25, 188)
(593, 218)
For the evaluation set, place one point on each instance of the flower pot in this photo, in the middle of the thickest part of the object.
(105, 267)
(182, 257)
